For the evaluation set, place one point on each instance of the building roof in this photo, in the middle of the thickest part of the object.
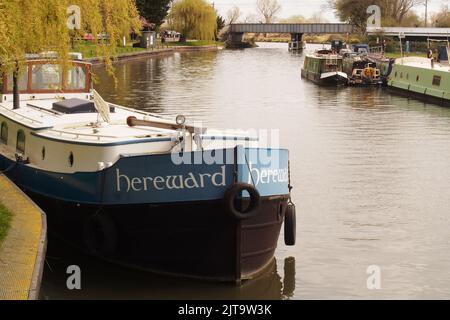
(411, 32)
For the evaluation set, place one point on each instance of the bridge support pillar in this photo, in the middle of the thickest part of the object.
(296, 44)
(236, 40)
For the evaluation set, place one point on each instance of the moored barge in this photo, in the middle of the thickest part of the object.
(139, 190)
(422, 78)
(324, 67)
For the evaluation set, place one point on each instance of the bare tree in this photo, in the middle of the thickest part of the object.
(318, 17)
(393, 11)
(252, 18)
(398, 9)
(233, 14)
(268, 9)
(442, 19)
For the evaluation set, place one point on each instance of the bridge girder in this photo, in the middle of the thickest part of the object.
(317, 28)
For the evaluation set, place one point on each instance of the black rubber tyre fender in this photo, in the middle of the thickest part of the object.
(234, 192)
(100, 235)
(290, 225)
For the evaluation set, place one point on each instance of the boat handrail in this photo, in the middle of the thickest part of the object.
(97, 137)
(78, 135)
(21, 117)
(134, 110)
(378, 49)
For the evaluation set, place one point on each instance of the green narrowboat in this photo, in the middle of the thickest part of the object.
(324, 67)
(422, 78)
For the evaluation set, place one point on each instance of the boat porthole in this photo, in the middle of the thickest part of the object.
(401, 75)
(417, 79)
(4, 133)
(396, 74)
(71, 159)
(20, 143)
(43, 153)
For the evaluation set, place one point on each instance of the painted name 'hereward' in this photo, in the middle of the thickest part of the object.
(191, 180)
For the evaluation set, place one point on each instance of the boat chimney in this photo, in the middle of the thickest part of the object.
(16, 95)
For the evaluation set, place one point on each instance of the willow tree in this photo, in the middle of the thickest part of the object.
(195, 19)
(36, 26)
(109, 21)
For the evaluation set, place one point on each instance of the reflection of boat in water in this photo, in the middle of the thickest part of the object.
(324, 67)
(422, 78)
(104, 281)
(139, 190)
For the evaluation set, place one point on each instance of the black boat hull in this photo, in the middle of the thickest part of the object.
(197, 240)
(335, 80)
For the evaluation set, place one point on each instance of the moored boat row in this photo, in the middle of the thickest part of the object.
(423, 78)
(342, 67)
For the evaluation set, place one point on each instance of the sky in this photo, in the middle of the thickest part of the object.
(305, 8)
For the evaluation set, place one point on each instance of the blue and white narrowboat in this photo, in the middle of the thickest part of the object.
(139, 190)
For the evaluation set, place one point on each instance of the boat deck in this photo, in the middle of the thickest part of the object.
(39, 116)
(423, 63)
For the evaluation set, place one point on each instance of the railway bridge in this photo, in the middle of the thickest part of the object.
(297, 30)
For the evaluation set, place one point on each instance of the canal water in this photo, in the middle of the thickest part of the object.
(371, 172)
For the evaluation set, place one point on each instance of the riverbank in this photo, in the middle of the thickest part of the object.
(5, 221)
(22, 251)
(128, 56)
(395, 55)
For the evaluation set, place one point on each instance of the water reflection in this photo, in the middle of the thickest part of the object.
(101, 280)
(148, 84)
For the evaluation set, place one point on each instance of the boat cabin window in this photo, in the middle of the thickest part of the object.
(76, 78)
(20, 141)
(46, 77)
(436, 81)
(4, 133)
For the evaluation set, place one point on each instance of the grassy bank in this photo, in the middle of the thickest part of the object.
(89, 49)
(411, 54)
(5, 221)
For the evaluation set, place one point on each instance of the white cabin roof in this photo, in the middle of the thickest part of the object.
(424, 63)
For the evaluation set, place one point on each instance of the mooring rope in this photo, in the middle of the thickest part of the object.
(9, 168)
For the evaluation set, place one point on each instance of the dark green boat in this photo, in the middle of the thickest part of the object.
(324, 67)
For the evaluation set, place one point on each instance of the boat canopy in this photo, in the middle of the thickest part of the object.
(361, 48)
(44, 76)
